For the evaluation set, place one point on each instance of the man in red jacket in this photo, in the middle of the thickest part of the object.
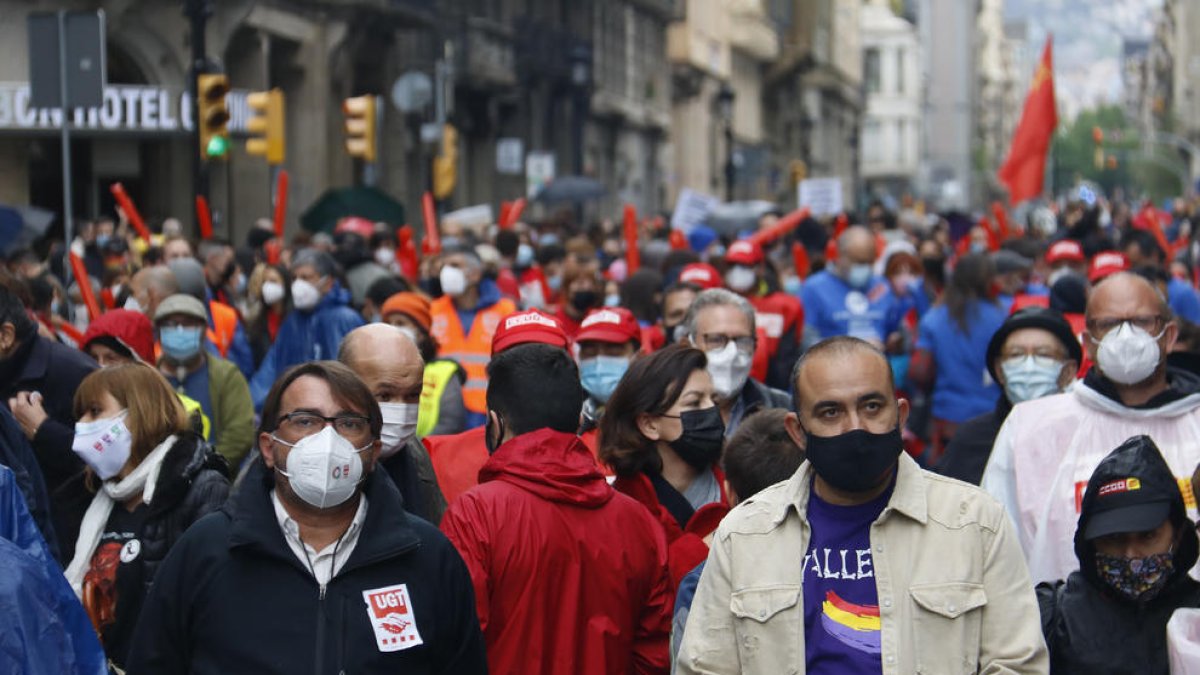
(570, 575)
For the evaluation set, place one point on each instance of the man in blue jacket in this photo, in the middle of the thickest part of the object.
(312, 332)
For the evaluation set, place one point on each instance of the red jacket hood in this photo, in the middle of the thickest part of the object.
(133, 329)
(552, 465)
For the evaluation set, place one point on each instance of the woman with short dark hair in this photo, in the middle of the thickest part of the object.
(662, 435)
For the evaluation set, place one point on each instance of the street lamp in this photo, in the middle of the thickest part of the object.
(581, 83)
(725, 112)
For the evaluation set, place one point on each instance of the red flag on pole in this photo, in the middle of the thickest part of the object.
(203, 217)
(1024, 170)
(633, 256)
(281, 196)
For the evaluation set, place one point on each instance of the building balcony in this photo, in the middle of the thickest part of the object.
(751, 31)
(690, 46)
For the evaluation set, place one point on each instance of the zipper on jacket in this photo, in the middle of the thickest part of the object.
(319, 663)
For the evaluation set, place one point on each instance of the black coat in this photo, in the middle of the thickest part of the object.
(967, 455)
(411, 470)
(191, 484)
(17, 455)
(54, 370)
(1090, 629)
(233, 598)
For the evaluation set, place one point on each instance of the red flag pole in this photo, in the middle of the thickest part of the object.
(203, 217)
(281, 197)
(131, 212)
(433, 242)
(781, 227)
(85, 286)
(633, 256)
(510, 218)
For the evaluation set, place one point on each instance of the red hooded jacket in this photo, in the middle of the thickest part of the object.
(570, 575)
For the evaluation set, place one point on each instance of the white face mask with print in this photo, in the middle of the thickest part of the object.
(104, 445)
(399, 425)
(323, 469)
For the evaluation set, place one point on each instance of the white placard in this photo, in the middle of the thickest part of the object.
(691, 209)
(823, 196)
(509, 152)
(539, 170)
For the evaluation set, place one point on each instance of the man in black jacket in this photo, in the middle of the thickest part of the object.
(38, 379)
(1033, 354)
(390, 364)
(1135, 545)
(313, 565)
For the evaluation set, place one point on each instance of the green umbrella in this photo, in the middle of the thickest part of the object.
(365, 202)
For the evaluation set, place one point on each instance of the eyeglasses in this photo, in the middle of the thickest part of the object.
(716, 341)
(1040, 353)
(1151, 323)
(301, 424)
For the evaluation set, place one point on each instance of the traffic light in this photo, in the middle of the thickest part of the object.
(1098, 138)
(211, 89)
(1111, 162)
(266, 125)
(445, 165)
(360, 127)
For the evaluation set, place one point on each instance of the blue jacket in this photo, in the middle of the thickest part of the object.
(43, 628)
(306, 336)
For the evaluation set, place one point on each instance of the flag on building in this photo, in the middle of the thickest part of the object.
(1024, 170)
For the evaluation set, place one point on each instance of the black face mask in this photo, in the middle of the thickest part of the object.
(583, 300)
(702, 438)
(493, 443)
(672, 333)
(855, 461)
(935, 268)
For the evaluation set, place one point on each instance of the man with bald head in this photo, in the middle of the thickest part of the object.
(895, 562)
(1047, 449)
(387, 360)
(150, 286)
(847, 298)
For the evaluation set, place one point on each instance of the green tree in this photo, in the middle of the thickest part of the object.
(1141, 170)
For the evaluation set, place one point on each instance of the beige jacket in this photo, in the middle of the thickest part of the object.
(954, 593)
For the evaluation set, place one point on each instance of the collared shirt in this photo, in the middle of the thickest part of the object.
(326, 563)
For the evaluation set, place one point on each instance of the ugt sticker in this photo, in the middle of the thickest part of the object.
(391, 613)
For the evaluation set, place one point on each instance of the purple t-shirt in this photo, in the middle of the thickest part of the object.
(841, 604)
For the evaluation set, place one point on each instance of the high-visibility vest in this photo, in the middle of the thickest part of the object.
(471, 350)
(224, 325)
(437, 378)
(195, 412)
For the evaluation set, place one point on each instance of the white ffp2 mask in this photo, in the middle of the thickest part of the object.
(399, 425)
(323, 469)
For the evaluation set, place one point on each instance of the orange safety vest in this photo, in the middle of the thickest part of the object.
(472, 350)
(224, 325)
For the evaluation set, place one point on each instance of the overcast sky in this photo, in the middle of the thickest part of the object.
(1087, 43)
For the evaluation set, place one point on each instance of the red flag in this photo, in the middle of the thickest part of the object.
(633, 257)
(1024, 170)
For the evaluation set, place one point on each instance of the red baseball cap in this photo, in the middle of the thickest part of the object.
(1067, 249)
(700, 274)
(1106, 263)
(610, 324)
(526, 327)
(744, 252)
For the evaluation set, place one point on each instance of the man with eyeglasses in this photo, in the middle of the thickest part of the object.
(721, 323)
(1047, 449)
(1033, 354)
(314, 562)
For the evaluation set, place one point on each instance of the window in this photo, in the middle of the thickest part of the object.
(900, 70)
(871, 73)
(901, 142)
(871, 142)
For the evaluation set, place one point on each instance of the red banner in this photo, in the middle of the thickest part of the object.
(281, 198)
(633, 256)
(433, 241)
(131, 212)
(85, 286)
(203, 217)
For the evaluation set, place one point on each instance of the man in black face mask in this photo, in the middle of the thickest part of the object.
(899, 570)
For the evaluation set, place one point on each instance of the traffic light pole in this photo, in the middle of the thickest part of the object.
(198, 12)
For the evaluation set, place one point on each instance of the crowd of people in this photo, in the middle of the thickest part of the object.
(890, 443)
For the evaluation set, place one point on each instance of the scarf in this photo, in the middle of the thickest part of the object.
(143, 478)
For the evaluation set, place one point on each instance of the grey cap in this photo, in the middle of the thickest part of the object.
(1010, 261)
(180, 304)
(190, 276)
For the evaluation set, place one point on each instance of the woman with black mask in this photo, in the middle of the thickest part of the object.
(1135, 545)
(662, 435)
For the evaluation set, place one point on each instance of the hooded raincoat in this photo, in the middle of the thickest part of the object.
(1047, 450)
(1091, 629)
(570, 576)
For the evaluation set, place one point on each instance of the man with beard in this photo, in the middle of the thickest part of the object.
(314, 562)
(1046, 451)
(900, 570)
